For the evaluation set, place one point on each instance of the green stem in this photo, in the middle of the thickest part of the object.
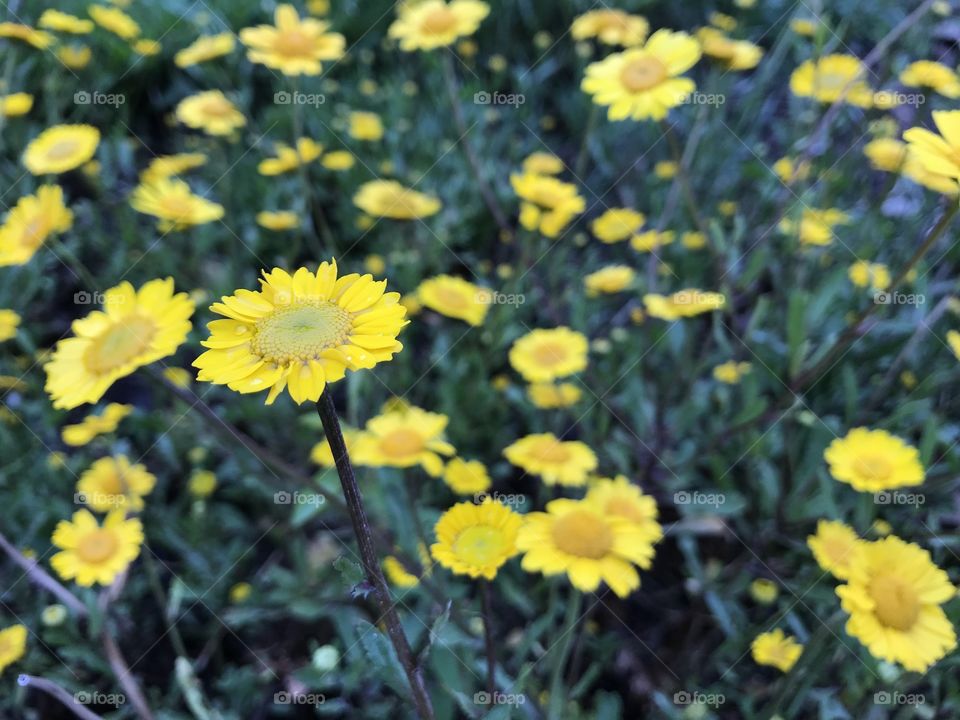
(558, 692)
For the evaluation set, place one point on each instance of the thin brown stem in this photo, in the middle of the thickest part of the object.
(40, 577)
(124, 676)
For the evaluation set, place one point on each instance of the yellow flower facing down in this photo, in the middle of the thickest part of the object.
(731, 372)
(643, 82)
(549, 204)
(301, 332)
(278, 220)
(542, 163)
(114, 20)
(476, 540)
(867, 274)
(776, 649)
(390, 199)
(93, 553)
(683, 304)
(289, 158)
(113, 483)
(816, 226)
(35, 38)
(874, 461)
(555, 461)
(404, 438)
(432, 24)
(893, 596)
(609, 280)
(455, 298)
(937, 154)
(135, 328)
(293, 45)
(886, 154)
(16, 104)
(211, 112)
(831, 77)
(365, 126)
(547, 395)
(934, 75)
(9, 321)
(13, 645)
(651, 240)
(617, 224)
(611, 27)
(33, 220)
(167, 166)
(93, 425)
(466, 477)
(546, 355)
(61, 148)
(835, 547)
(577, 539)
(204, 49)
(732, 54)
(174, 205)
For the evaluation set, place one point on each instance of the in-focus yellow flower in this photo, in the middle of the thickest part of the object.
(731, 372)
(211, 112)
(776, 650)
(651, 240)
(301, 332)
(466, 477)
(617, 224)
(136, 328)
(546, 355)
(390, 199)
(578, 539)
(404, 438)
(455, 298)
(167, 166)
(174, 205)
(278, 220)
(874, 275)
(202, 483)
(548, 395)
(893, 596)
(292, 45)
(435, 23)
(365, 126)
(476, 540)
(34, 220)
(873, 461)
(542, 163)
(61, 148)
(75, 57)
(643, 82)
(549, 204)
(36, 38)
(835, 547)
(114, 483)
(886, 154)
(683, 304)
(204, 49)
(114, 20)
(16, 104)
(732, 54)
(609, 280)
(938, 154)
(91, 553)
(816, 226)
(9, 321)
(289, 158)
(397, 574)
(338, 160)
(934, 75)
(831, 77)
(555, 461)
(611, 27)
(93, 425)
(13, 645)
(764, 591)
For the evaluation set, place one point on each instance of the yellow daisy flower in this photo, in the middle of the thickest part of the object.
(167, 166)
(203, 49)
(546, 355)
(75, 57)
(404, 438)
(13, 645)
(834, 547)
(397, 574)
(617, 224)
(577, 539)
(135, 328)
(114, 20)
(9, 321)
(731, 372)
(934, 75)
(278, 220)
(651, 240)
(434, 23)
(294, 46)
(365, 126)
(873, 461)
(621, 498)
(732, 54)
(322, 455)
(683, 304)
(61, 148)
(893, 596)
(542, 163)
(643, 82)
(112, 482)
(864, 274)
(16, 104)
(173, 204)
(476, 540)
(776, 650)
(549, 204)
(555, 461)
(938, 154)
(93, 425)
(886, 154)
(466, 477)
(826, 79)
(301, 332)
(764, 591)
(91, 553)
(34, 220)
(36, 38)
(338, 160)
(816, 226)
(390, 199)
(211, 112)
(548, 395)
(289, 158)
(611, 27)
(609, 280)
(455, 298)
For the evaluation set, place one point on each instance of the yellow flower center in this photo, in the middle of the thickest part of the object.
(439, 21)
(97, 546)
(583, 534)
(294, 43)
(401, 442)
(551, 451)
(452, 299)
(125, 340)
(897, 605)
(216, 107)
(301, 332)
(832, 81)
(478, 545)
(62, 149)
(549, 353)
(34, 232)
(642, 74)
(176, 206)
(872, 467)
(622, 506)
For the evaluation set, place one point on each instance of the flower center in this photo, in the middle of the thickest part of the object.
(438, 21)
(642, 74)
(874, 468)
(478, 545)
(897, 605)
(176, 206)
(623, 507)
(97, 546)
(62, 149)
(452, 299)
(551, 451)
(549, 353)
(126, 339)
(34, 232)
(401, 443)
(294, 43)
(301, 332)
(583, 534)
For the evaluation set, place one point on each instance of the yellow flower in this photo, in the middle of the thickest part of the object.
(764, 591)
(915, 170)
(397, 574)
(375, 264)
(166, 166)
(278, 220)
(173, 204)
(816, 226)
(611, 27)
(617, 224)
(202, 483)
(455, 298)
(683, 304)
(776, 650)
(934, 75)
(318, 7)
(547, 395)
(13, 645)
(93, 425)
(643, 82)
(114, 20)
(803, 26)
(608, 280)
(61, 148)
(135, 329)
(578, 539)
(205, 48)
(863, 273)
(91, 553)
(289, 158)
(651, 240)
(546, 355)
(16, 104)
(211, 112)
(727, 208)
(476, 540)
(722, 21)
(301, 332)
(36, 38)
(789, 172)
(75, 57)
(693, 240)
(294, 46)
(873, 461)
(466, 477)
(886, 154)
(390, 199)
(834, 547)
(732, 54)
(35, 219)
(365, 126)
(9, 321)
(542, 163)
(404, 438)
(434, 23)
(178, 376)
(953, 340)
(828, 78)
(731, 372)
(665, 169)
(240, 592)
(321, 453)
(113, 483)
(938, 154)
(549, 204)
(893, 596)
(621, 498)
(338, 160)
(555, 461)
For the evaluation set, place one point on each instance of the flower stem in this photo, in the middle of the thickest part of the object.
(368, 555)
(558, 694)
(487, 605)
(58, 693)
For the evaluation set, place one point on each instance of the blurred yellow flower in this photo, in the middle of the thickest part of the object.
(934, 75)
(390, 199)
(665, 169)
(886, 154)
(338, 160)
(618, 497)
(456, 298)
(874, 275)
(288, 158)
(831, 77)
(549, 204)
(75, 57)
(542, 163)
(13, 645)
(174, 205)
(147, 48)
(9, 321)
(466, 477)
(61, 148)
(776, 650)
(91, 553)
(322, 454)
(476, 540)
(693, 240)
(683, 304)
(731, 372)
(293, 45)
(211, 112)
(874, 461)
(609, 280)
(93, 425)
(834, 547)
(178, 376)
(240, 592)
(166, 166)
(202, 483)
(114, 20)
(953, 340)
(278, 220)
(555, 461)
(397, 574)
(938, 154)
(651, 240)
(36, 38)
(365, 126)
(803, 26)
(404, 438)
(790, 171)
(16, 104)
(435, 23)
(611, 27)
(732, 54)
(33, 220)
(764, 591)
(112, 483)
(548, 395)
(204, 49)
(617, 224)
(816, 226)
(546, 355)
